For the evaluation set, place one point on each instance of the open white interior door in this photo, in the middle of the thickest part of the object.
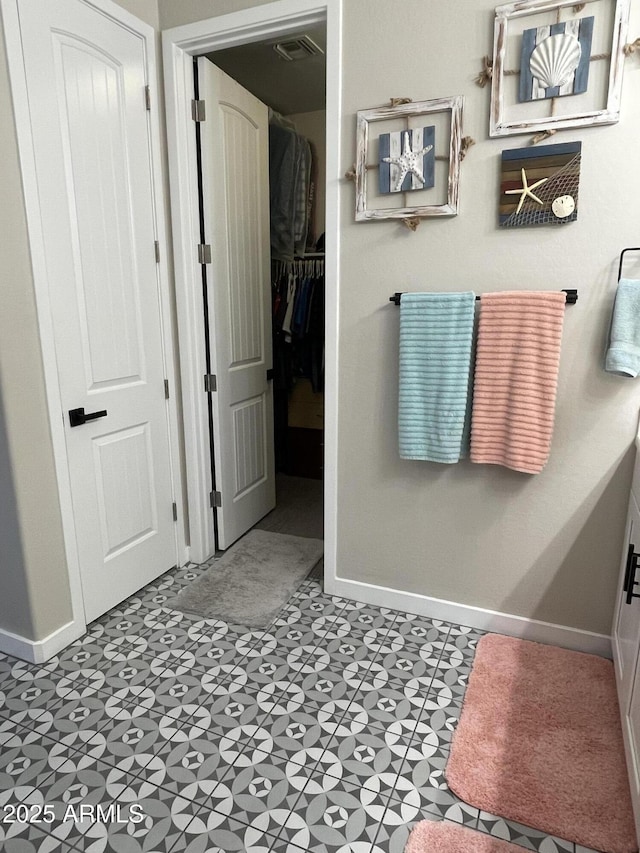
(235, 180)
(86, 74)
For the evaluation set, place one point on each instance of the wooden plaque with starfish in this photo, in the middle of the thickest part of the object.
(539, 186)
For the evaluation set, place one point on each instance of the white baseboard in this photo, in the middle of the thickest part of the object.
(39, 651)
(473, 617)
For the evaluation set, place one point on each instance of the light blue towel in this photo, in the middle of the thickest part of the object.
(436, 332)
(623, 355)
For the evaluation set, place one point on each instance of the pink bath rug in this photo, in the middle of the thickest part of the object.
(539, 742)
(438, 837)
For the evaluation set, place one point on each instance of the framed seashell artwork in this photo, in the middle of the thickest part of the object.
(557, 64)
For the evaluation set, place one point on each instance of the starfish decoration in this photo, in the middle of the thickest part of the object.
(409, 162)
(526, 191)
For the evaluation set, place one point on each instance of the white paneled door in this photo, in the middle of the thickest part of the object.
(235, 172)
(86, 79)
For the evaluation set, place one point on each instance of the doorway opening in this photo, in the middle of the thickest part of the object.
(287, 76)
(180, 45)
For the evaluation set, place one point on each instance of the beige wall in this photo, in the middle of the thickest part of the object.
(146, 10)
(313, 125)
(15, 614)
(545, 546)
(174, 13)
(35, 592)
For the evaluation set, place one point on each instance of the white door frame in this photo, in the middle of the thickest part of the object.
(180, 44)
(42, 650)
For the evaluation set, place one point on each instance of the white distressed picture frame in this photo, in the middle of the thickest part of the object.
(453, 105)
(500, 124)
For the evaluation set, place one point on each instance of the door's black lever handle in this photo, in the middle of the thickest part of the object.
(77, 417)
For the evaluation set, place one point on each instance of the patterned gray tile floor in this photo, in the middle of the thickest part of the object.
(327, 733)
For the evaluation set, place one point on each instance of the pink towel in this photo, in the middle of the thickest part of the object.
(516, 378)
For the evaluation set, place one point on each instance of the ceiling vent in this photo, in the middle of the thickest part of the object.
(298, 48)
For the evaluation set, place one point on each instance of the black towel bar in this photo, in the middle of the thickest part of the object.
(571, 295)
(622, 254)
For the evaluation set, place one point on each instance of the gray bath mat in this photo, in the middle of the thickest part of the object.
(253, 579)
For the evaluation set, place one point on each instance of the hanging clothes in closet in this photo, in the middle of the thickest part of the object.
(298, 336)
(291, 188)
(298, 321)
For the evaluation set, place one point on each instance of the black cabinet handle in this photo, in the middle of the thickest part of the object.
(631, 579)
(627, 570)
(77, 417)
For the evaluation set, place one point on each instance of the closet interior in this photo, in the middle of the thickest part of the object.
(289, 77)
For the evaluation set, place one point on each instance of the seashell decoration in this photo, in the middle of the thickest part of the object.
(554, 59)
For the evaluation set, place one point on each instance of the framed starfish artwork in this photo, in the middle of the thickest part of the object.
(539, 186)
(417, 162)
(556, 64)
